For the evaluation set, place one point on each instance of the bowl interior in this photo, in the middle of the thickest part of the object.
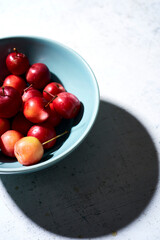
(72, 71)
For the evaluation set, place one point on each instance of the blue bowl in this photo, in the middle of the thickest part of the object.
(76, 76)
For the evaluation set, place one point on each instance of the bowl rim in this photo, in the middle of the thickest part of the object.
(49, 162)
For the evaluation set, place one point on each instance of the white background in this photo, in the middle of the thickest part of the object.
(121, 42)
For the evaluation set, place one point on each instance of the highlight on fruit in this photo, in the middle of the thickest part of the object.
(32, 106)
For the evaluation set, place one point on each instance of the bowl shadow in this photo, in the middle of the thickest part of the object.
(99, 188)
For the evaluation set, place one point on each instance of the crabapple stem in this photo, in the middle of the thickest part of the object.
(49, 93)
(55, 137)
(28, 87)
(50, 101)
(3, 90)
(15, 50)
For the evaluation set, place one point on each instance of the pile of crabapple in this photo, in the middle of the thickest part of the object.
(31, 106)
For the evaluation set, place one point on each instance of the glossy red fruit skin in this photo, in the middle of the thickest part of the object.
(53, 88)
(17, 63)
(67, 105)
(54, 118)
(16, 82)
(43, 132)
(21, 124)
(28, 151)
(10, 102)
(4, 125)
(7, 141)
(36, 110)
(38, 75)
(31, 92)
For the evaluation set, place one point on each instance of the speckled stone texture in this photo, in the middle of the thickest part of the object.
(108, 188)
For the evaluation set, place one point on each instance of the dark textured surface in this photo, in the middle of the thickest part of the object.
(101, 187)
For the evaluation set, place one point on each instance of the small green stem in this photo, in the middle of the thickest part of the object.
(50, 101)
(60, 135)
(3, 90)
(15, 50)
(49, 93)
(28, 87)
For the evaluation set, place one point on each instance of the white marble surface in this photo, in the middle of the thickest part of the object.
(111, 182)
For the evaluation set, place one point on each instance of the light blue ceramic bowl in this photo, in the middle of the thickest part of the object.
(76, 76)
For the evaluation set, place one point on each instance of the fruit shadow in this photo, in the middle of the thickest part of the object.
(6, 159)
(66, 124)
(101, 187)
(54, 78)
